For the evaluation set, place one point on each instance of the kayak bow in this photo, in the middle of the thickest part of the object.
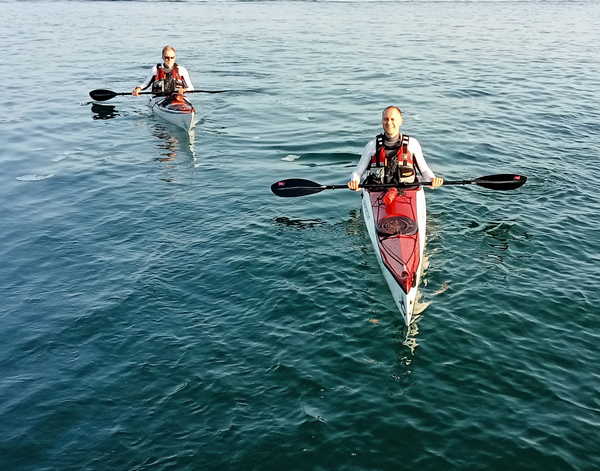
(176, 110)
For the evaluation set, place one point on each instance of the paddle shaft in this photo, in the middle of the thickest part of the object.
(104, 95)
(375, 186)
(300, 187)
(188, 91)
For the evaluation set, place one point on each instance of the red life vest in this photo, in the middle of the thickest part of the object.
(403, 155)
(401, 166)
(166, 82)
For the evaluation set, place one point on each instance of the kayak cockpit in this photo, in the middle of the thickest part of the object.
(177, 104)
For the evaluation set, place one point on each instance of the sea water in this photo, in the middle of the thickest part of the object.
(162, 309)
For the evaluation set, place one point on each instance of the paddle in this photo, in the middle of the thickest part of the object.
(103, 95)
(300, 187)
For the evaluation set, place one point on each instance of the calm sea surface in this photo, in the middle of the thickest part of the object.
(162, 310)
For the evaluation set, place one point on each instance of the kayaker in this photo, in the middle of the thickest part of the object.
(167, 78)
(392, 157)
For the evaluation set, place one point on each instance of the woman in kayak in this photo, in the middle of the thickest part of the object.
(167, 78)
(393, 157)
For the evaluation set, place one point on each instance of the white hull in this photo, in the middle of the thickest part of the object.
(405, 301)
(185, 121)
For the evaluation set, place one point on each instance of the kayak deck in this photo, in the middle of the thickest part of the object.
(397, 232)
(175, 109)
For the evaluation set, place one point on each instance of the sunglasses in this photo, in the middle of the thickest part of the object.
(168, 57)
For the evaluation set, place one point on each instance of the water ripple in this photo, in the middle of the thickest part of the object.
(163, 310)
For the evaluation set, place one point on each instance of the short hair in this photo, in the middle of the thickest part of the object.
(392, 107)
(168, 48)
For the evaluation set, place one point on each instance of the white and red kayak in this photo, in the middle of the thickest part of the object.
(397, 232)
(175, 109)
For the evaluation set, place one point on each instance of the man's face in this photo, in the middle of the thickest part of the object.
(391, 122)
(169, 58)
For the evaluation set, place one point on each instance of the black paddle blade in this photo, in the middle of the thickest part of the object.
(295, 187)
(102, 95)
(502, 182)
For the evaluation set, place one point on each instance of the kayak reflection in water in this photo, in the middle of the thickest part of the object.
(167, 78)
(392, 157)
(104, 111)
(168, 144)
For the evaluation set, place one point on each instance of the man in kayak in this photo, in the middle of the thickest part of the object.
(167, 78)
(393, 157)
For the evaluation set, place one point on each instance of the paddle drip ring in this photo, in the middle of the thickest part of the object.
(397, 225)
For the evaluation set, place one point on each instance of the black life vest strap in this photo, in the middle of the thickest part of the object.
(403, 149)
(379, 139)
(379, 145)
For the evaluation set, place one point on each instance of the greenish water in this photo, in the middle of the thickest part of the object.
(163, 310)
